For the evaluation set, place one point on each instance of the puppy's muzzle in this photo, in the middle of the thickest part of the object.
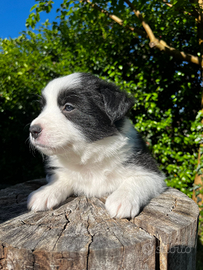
(35, 131)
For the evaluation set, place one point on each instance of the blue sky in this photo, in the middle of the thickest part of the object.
(13, 15)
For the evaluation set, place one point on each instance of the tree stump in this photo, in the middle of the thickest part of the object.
(81, 235)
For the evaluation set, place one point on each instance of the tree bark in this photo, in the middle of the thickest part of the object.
(80, 234)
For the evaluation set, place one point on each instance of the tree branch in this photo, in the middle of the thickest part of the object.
(162, 45)
(116, 19)
(144, 24)
(168, 4)
(154, 42)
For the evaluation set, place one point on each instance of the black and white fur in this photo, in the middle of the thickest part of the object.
(93, 148)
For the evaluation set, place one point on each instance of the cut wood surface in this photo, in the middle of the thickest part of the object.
(81, 235)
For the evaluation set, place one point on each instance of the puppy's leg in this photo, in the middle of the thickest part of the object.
(52, 194)
(134, 193)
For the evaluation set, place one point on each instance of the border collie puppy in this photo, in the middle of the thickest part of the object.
(93, 148)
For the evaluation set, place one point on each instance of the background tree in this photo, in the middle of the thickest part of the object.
(26, 65)
(111, 39)
(166, 82)
(108, 39)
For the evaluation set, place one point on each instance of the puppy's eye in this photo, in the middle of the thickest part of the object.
(68, 107)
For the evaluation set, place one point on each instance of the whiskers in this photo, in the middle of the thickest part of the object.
(32, 149)
(27, 125)
(43, 156)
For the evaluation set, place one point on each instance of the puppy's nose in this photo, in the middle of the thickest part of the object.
(35, 131)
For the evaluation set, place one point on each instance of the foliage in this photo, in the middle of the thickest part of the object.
(26, 65)
(167, 91)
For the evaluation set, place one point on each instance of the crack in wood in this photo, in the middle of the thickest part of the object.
(80, 234)
(173, 207)
(63, 229)
(157, 254)
(88, 248)
(33, 256)
(123, 247)
(2, 252)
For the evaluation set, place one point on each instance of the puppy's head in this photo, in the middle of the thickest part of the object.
(77, 108)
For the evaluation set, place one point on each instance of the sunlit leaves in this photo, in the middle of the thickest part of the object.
(166, 91)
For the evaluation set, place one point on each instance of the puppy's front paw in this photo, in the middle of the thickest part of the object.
(44, 198)
(121, 205)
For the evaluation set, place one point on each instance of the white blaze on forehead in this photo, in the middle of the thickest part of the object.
(50, 92)
(57, 131)
(54, 87)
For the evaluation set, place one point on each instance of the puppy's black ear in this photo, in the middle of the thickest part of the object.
(116, 102)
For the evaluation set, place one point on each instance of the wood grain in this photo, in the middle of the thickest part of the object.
(81, 235)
